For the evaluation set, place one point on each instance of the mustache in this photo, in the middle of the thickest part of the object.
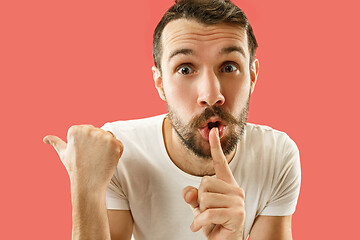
(211, 112)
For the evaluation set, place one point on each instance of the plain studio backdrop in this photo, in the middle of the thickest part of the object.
(89, 62)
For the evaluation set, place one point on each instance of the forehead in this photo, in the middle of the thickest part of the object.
(190, 33)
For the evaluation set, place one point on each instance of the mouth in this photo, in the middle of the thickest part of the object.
(211, 123)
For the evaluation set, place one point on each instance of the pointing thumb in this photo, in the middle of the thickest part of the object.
(57, 143)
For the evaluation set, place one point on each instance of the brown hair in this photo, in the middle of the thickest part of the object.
(208, 12)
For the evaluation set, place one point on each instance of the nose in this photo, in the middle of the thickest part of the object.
(209, 90)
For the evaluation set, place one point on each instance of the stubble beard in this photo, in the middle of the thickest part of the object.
(189, 135)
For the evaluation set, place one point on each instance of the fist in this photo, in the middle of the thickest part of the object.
(90, 155)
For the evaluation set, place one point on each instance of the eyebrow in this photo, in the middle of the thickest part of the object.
(231, 49)
(185, 51)
(226, 50)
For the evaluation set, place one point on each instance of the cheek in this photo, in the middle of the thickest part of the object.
(180, 95)
(237, 94)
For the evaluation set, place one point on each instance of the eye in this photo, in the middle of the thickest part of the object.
(229, 67)
(185, 70)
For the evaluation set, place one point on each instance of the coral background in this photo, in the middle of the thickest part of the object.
(89, 62)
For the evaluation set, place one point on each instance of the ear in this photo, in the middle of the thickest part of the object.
(158, 80)
(254, 72)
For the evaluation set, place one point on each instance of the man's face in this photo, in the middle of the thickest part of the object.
(206, 82)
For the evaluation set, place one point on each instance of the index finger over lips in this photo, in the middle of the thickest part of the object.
(221, 166)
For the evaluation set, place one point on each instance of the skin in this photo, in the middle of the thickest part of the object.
(218, 203)
(219, 213)
(83, 157)
(190, 94)
(219, 208)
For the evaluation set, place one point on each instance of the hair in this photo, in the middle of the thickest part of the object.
(208, 12)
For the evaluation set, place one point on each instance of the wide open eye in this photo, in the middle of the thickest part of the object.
(229, 67)
(185, 70)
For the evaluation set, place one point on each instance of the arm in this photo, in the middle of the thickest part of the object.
(90, 157)
(91, 221)
(89, 215)
(121, 224)
(275, 223)
(271, 228)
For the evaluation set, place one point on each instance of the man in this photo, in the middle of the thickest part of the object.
(199, 167)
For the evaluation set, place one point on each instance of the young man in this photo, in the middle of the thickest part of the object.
(199, 167)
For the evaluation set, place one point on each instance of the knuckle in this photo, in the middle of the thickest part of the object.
(109, 133)
(203, 198)
(196, 222)
(240, 192)
(196, 211)
(117, 146)
(81, 130)
(87, 128)
(73, 131)
(106, 137)
(99, 134)
(205, 180)
(209, 213)
(120, 145)
(240, 213)
(240, 202)
(93, 131)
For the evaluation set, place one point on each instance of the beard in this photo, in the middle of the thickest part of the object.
(189, 134)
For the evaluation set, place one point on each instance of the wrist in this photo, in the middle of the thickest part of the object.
(82, 192)
(84, 202)
(84, 185)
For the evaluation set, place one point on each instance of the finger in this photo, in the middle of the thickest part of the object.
(221, 166)
(209, 200)
(215, 185)
(111, 134)
(121, 146)
(210, 216)
(190, 195)
(57, 143)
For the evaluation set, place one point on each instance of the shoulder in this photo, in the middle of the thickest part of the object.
(273, 161)
(257, 130)
(270, 148)
(268, 138)
(134, 124)
(137, 131)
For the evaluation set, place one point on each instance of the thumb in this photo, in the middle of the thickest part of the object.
(57, 143)
(190, 195)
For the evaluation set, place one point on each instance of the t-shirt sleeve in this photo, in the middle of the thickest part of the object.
(286, 187)
(115, 196)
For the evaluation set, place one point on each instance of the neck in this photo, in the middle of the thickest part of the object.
(185, 159)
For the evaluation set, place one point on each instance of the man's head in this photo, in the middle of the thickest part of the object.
(208, 12)
(202, 52)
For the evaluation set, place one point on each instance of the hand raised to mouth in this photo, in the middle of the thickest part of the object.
(219, 203)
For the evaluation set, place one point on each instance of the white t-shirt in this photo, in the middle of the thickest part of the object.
(266, 166)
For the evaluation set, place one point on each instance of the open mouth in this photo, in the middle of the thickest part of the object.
(205, 129)
(213, 124)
